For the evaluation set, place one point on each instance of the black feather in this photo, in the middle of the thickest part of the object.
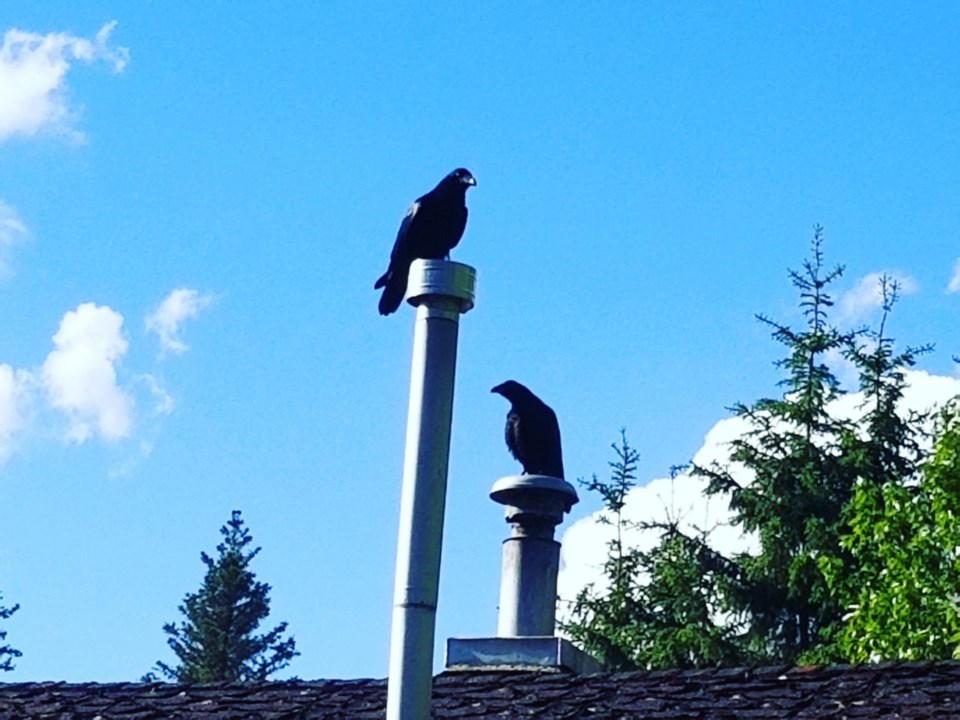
(431, 228)
(532, 432)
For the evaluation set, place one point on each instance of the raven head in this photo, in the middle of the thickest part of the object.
(462, 176)
(511, 390)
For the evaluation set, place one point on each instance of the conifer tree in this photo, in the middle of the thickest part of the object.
(800, 483)
(217, 640)
(7, 653)
(657, 607)
(607, 623)
(857, 522)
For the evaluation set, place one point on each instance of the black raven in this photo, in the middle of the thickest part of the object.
(431, 228)
(533, 435)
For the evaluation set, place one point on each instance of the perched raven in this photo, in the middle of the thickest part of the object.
(431, 228)
(533, 435)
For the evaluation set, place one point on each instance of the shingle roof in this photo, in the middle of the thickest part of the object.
(879, 692)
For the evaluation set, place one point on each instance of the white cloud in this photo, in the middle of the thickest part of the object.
(11, 226)
(80, 375)
(12, 232)
(684, 498)
(79, 381)
(180, 305)
(867, 294)
(163, 402)
(13, 390)
(954, 284)
(33, 71)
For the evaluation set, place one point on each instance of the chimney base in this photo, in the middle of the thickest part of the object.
(543, 653)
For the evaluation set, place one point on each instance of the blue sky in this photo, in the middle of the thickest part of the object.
(196, 202)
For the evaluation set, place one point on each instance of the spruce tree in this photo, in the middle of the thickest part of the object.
(217, 640)
(800, 482)
(856, 521)
(889, 447)
(657, 608)
(7, 653)
(608, 622)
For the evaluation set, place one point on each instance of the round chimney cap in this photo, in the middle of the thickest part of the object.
(520, 490)
(442, 277)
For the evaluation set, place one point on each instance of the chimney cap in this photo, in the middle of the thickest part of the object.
(444, 278)
(535, 492)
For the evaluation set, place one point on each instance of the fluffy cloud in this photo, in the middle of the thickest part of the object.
(80, 375)
(12, 232)
(79, 381)
(954, 284)
(867, 294)
(180, 305)
(33, 72)
(684, 498)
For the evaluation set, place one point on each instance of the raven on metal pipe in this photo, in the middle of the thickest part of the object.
(431, 228)
(441, 291)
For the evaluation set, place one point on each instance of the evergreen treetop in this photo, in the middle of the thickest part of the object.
(855, 517)
(217, 641)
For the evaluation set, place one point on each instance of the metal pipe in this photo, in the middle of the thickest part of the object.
(528, 587)
(441, 292)
(535, 505)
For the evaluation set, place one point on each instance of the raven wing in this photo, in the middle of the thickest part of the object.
(401, 256)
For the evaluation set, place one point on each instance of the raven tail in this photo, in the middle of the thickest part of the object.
(394, 289)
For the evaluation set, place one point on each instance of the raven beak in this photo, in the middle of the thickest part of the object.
(470, 180)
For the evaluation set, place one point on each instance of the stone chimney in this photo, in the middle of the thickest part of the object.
(534, 506)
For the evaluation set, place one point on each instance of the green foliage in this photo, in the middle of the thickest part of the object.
(905, 540)
(604, 623)
(801, 482)
(885, 454)
(684, 600)
(7, 653)
(858, 525)
(217, 640)
(887, 447)
(657, 607)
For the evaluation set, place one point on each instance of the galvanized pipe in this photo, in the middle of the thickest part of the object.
(441, 292)
(528, 587)
(534, 506)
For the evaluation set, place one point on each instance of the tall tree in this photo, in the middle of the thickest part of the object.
(217, 640)
(800, 482)
(7, 653)
(857, 521)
